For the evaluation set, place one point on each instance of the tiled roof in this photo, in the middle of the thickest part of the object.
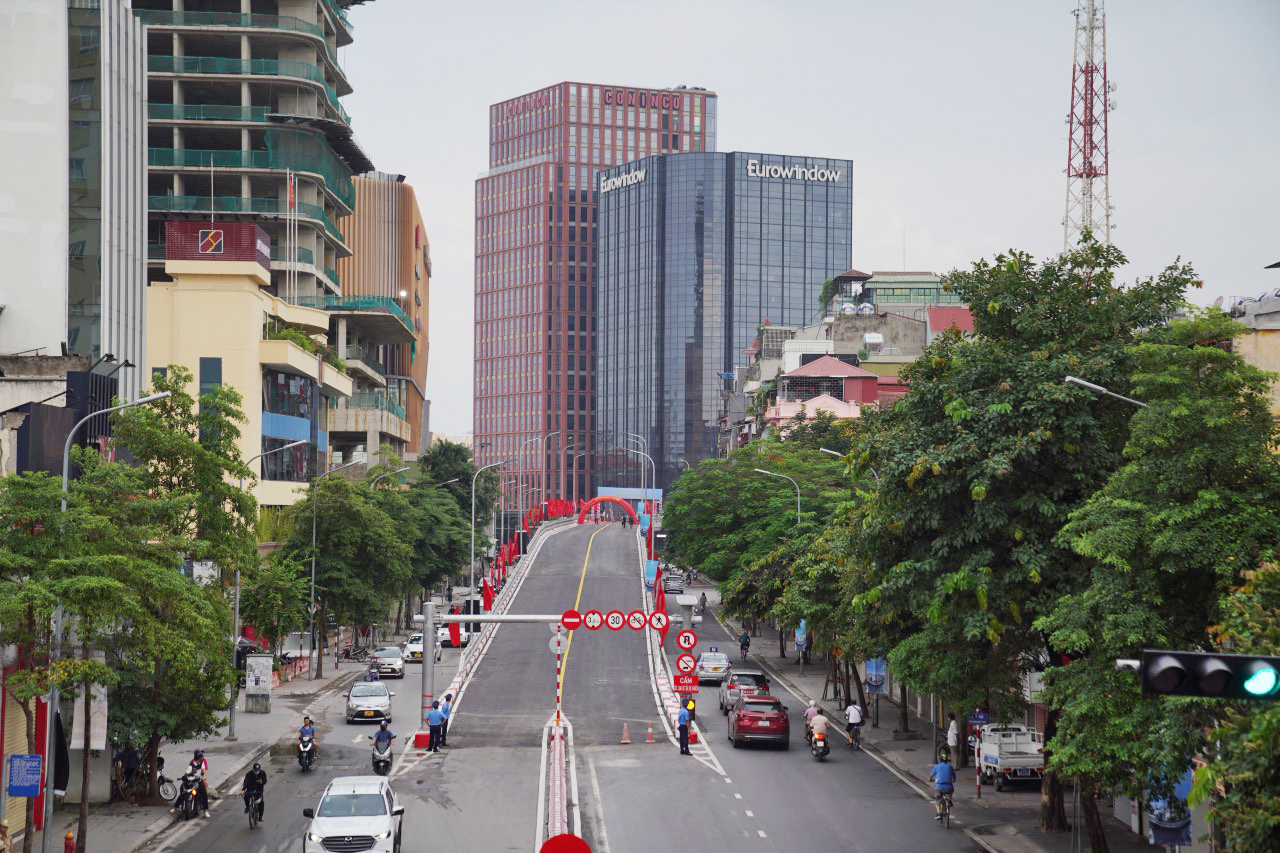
(829, 366)
(941, 319)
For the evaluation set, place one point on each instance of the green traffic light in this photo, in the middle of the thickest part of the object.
(1262, 683)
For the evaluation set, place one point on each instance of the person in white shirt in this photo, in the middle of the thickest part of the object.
(953, 735)
(853, 718)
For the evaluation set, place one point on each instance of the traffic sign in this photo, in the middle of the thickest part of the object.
(658, 620)
(686, 683)
(565, 843)
(637, 620)
(686, 640)
(686, 664)
(571, 620)
(593, 619)
(558, 644)
(24, 775)
(615, 620)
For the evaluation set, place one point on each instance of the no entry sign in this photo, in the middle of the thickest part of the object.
(571, 620)
(593, 619)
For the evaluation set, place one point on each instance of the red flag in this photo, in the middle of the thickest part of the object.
(455, 634)
(526, 525)
(486, 590)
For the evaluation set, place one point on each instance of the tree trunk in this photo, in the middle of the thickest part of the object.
(1092, 821)
(857, 682)
(904, 723)
(82, 831)
(1053, 810)
(399, 613)
(962, 738)
(782, 643)
(28, 837)
(322, 624)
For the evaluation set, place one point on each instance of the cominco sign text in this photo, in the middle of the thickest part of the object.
(756, 169)
(634, 177)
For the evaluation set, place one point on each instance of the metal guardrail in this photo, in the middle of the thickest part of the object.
(382, 304)
(336, 176)
(206, 112)
(368, 400)
(360, 354)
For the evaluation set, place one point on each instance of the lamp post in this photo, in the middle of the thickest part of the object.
(793, 482)
(47, 839)
(564, 463)
(685, 463)
(1098, 389)
(575, 476)
(523, 471)
(235, 624)
(840, 455)
(649, 543)
(472, 594)
(544, 462)
(311, 607)
(397, 471)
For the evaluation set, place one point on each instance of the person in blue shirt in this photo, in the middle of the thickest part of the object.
(383, 734)
(446, 708)
(683, 721)
(435, 720)
(308, 729)
(944, 782)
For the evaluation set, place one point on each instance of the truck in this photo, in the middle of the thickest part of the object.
(1006, 752)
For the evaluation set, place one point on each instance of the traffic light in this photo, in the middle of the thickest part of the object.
(1210, 675)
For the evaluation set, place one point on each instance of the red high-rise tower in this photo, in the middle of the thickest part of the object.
(1088, 193)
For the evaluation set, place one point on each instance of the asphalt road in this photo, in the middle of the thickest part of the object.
(480, 794)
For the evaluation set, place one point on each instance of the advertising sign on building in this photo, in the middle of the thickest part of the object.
(223, 241)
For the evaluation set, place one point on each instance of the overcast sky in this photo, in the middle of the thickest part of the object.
(953, 114)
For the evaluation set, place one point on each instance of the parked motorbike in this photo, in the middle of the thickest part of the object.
(350, 651)
(168, 790)
(306, 752)
(819, 747)
(382, 757)
(189, 795)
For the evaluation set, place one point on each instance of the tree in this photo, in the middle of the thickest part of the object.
(982, 463)
(274, 600)
(447, 460)
(1166, 537)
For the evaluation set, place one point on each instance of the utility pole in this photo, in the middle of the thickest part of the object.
(1088, 158)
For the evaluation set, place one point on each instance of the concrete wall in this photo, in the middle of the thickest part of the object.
(1261, 348)
(904, 333)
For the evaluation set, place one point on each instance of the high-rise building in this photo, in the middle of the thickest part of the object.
(535, 300)
(240, 95)
(695, 253)
(74, 237)
(385, 350)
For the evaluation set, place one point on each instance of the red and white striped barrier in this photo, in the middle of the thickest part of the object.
(557, 784)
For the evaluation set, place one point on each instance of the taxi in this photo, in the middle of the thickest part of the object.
(713, 665)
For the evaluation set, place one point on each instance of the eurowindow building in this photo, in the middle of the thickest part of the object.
(695, 252)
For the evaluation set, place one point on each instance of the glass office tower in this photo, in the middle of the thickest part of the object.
(695, 251)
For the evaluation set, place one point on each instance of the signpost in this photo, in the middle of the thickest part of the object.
(658, 621)
(571, 620)
(637, 620)
(686, 664)
(24, 776)
(593, 619)
(686, 640)
(615, 620)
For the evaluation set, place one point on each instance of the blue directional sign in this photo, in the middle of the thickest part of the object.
(24, 776)
(979, 718)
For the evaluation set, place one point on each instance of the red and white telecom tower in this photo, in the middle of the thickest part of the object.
(1088, 195)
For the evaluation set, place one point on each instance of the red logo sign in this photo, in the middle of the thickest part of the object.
(571, 620)
(686, 683)
(211, 241)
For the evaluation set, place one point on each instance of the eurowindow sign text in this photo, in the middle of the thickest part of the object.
(756, 169)
(632, 177)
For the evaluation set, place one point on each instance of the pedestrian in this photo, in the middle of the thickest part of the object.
(683, 721)
(953, 734)
(446, 708)
(435, 720)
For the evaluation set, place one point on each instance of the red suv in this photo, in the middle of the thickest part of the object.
(759, 717)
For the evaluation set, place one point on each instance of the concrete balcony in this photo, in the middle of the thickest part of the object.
(291, 358)
(368, 412)
(361, 360)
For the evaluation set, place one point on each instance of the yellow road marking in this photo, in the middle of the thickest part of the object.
(564, 663)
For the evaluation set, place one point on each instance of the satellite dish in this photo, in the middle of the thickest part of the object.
(1217, 303)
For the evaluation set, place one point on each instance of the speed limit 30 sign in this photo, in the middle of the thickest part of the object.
(615, 620)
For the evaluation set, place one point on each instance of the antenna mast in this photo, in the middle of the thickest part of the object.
(1088, 194)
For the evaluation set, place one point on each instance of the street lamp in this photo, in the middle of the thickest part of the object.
(793, 482)
(472, 594)
(575, 475)
(235, 629)
(544, 462)
(311, 608)
(1098, 389)
(685, 463)
(840, 455)
(57, 611)
(391, 473)
(520, 455)
(564, 463)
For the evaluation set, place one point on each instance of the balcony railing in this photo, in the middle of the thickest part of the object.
(369, 400)
(358, 353)
(337, 177)
(265, 67)
(382, 304)
(236, 204)
(301, 255)
(206, 112)
(164, 17)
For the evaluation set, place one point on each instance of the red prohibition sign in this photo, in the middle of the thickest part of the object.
(615, 620)
(571, 620)
(686, 640)
(637, 620)
(593, 619)
(686, 663)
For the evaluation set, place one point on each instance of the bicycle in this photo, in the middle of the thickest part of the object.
(943, 799)
(255, 809)
(744, 651)
(855, 737)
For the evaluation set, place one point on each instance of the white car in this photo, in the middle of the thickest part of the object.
(413, 648)
(442, 636)
(355, 813)
(390, 662)
(713, 666)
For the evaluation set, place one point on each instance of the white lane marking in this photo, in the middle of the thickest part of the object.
(599, 802)
(737, 795)
(761, 833)
(357, 738)
(749, 813)
(727, 779)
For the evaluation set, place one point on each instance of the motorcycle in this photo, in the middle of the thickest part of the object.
(306, 752)
(382, 757)
(168, 790)
(818, 746)
(351, 651)
(189, 796)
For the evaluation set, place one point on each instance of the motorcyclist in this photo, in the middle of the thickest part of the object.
(255, 782)
(382, 735)
(199, 768)
(809, 713)
(818, 726)
(308, 729)
(744, 642)
(372, 674)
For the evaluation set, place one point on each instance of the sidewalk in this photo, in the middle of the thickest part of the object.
(124, 827)
(1001, 822)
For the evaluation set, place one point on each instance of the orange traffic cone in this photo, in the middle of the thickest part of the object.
(648, 738)
(626, 734)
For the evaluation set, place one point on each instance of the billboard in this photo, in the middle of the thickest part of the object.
(217, 241)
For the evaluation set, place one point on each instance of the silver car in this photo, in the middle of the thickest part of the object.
(713, 666)
(390, 662)
(741, 682)
(369, 701)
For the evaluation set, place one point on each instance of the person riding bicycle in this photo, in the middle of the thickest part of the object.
(853, 719)
(255, 782)
(944, 778)
(744, 642)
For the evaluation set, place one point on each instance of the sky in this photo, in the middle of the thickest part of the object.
(953, 113)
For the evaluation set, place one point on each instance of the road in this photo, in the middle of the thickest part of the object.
(480, 794)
